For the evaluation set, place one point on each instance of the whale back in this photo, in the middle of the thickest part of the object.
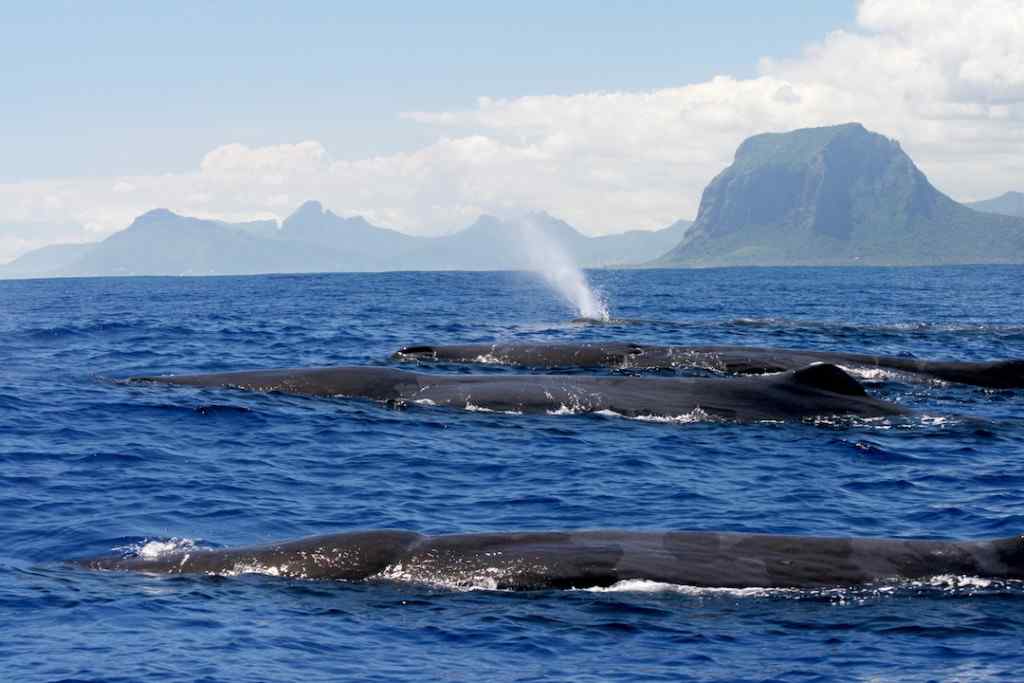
(728, 359)
(580, 559)
(352, 556)
(1007, 374)
(381, 384)
(828, 377)
(812, 391)
(552, 355)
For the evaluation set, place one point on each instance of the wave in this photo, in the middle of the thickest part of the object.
(60, 332)
(841, 326)
(894, 327)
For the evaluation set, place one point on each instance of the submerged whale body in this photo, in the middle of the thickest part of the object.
(728, 359)
(813, 391)
(581, 559)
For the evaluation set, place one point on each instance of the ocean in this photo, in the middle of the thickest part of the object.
(92, 465)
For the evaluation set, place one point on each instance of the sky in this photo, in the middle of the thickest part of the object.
(421, 116)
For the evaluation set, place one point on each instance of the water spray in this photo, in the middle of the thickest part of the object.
(549, 258)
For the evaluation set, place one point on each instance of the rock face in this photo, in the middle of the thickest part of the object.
(839, 195)
(1007, 204)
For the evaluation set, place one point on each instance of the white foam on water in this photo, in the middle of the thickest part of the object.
(484, 579)
(550, 259)
(261, 569)
(574, 407)
(943, 583)
(871, 374)
(647, 586)
(564, 410)
(152, 550)
(696, 415)
(939, 420)
(882, 423)
(474, 408)
(956, 582)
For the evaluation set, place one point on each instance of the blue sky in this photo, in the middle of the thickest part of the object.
(145, 87)
(422, 116)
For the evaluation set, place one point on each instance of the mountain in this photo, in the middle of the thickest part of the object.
(838, 195)
(45, 260)
(267, 228)
(489, 243)
(313, 239)
(492, 243)
(161, 242)
(1008, 204)
(635, 246)
(357, 244)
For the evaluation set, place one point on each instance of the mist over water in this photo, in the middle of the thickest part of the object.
(548, 258)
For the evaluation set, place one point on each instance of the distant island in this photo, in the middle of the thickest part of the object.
(312, 239)
(837, 195)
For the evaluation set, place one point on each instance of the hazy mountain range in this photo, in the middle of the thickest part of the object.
(1008, 204)
(839, 195)
(313, 239)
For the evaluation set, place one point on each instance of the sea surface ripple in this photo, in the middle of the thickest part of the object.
(91, 465)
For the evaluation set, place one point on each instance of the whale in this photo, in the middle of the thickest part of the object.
(581, 559)
(1001, 374)
(817, 390)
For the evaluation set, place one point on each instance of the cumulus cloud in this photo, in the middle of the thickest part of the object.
(271, 163)
(943, 77)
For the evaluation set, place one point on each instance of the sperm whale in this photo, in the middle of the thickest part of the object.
(581, 559)
(817, 390)
(1004, 374)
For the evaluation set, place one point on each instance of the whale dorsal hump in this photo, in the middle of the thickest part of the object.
(1007, 374)
(828, 377)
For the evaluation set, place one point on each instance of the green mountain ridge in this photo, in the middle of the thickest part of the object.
(838, 195)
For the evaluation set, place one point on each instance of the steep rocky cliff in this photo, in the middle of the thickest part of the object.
(840, 195)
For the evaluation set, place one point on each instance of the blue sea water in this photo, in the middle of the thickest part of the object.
(89, 465)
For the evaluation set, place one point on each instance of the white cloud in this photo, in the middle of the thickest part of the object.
(944, 77)
(273, 162)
